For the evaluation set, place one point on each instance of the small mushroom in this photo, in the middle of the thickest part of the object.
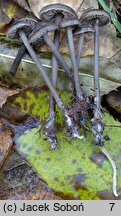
(19, 32)
(99, 18)
(26, 24)
(96, 18)
(56, 13)
(37, 5)
(81, 30)
(42, 33)
(30, 26)
(79, 106)
(49, 11)
(69, 24)
(37, 43)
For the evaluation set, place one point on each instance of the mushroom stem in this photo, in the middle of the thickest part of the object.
(97, 124)
(96, 71)
(81, 40)
(79, 91)
(57, 55)
(114, 170)
(55, 64)
(17, 60)
(32, 53)
(56, 41)
(82, 116)
(49, 126)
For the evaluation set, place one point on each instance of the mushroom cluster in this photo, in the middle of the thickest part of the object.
(56, 18)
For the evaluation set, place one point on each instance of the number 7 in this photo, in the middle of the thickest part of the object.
(112, 205)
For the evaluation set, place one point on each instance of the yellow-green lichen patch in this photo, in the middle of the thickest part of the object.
(69, 170)
(36, 102)
(114, 144)
(78, 168)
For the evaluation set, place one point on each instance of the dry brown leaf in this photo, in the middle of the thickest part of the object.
(25, 193)
(10, 10)
(5, 93)
(114, 100)
(23, 4)
(50, 196)
(29, 192)
(87, 5)
(20, 182)
(3, 17)
(107, 43)
(108, 47)
(4, 20)
(5, 141)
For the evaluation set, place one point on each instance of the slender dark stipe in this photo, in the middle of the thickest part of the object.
(81, 31)
(96, 18)
(57, 55)
(19, 56)
(97, 123)
(81, 39)
(79, 104)
(96, 71)
(68, 120)
(79, 91)
(49, 127)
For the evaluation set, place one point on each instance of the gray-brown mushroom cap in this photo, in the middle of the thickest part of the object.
(38, 41)
(91, 16)
(50, 11)
(83, 28)
(24, 24)
(38, 34)
(73, 22)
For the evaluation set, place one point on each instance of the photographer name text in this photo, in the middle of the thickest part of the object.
(45, 207)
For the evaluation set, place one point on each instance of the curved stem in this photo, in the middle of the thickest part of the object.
(114, 170)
